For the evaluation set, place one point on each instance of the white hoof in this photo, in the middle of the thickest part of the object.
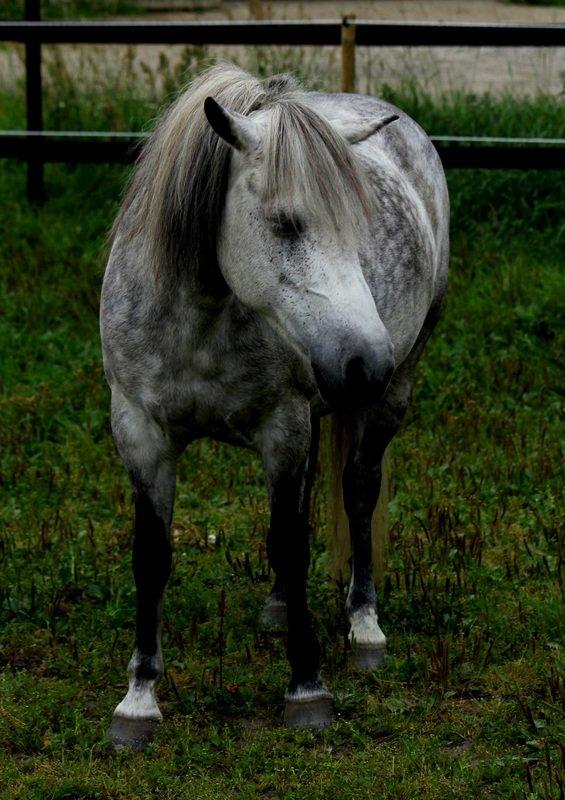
(368, 642)
(132, 733)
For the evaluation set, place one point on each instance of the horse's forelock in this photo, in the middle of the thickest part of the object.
(308, 163)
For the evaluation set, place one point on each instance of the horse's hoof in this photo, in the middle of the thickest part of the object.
(133, 733)
(369, 656)
(308, 712)
(274, 617)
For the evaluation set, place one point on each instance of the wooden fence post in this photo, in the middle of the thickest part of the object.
(348, 54)
(35, 184)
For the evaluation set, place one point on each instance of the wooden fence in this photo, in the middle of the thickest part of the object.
(37, 146)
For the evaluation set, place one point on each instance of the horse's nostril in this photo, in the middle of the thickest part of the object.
(366, 379)
(356, 377)
(360, 380)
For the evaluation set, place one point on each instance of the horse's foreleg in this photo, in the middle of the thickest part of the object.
(274, 618)
(361, 489)
(373, 431)
(285, 455)
(146, 454)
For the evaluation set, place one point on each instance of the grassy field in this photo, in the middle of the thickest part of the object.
(469, 703)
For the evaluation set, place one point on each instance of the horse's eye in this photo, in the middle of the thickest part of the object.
(287, 227)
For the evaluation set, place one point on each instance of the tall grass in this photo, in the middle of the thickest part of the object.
(70, 9)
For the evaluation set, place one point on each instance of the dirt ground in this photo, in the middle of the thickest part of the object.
(445, 10)
(521, 70)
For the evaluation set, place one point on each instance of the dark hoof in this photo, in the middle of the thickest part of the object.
(132, 733)
(274, 616)
(314, 713)
(369, 656)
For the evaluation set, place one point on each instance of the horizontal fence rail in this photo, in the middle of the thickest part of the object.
(368, 34)
(456, 152)
(38, 147)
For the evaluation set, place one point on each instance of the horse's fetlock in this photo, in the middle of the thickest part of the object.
(146, 668)
(361, 599)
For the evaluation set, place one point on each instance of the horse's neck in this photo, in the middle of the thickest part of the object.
(203, 320)
(211, 322)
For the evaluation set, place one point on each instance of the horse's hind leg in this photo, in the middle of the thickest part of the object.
(274, 618)
(147, 456)
(285, 450)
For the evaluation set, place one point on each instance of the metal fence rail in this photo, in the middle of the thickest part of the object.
(298, 32)
(38, 147)
(76, 147)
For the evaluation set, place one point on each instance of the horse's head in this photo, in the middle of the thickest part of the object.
(294, 225)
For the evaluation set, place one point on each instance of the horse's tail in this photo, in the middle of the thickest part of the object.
(338, 436)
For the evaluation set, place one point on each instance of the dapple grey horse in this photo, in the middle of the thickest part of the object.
(279, 255)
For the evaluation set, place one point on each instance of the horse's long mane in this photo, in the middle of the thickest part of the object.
(175, 198)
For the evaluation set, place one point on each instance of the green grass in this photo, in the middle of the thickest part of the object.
(470, 702)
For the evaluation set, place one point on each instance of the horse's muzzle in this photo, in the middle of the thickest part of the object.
(361, 379)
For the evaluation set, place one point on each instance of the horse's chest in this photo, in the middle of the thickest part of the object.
(222, 393)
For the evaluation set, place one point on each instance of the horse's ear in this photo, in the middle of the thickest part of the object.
(235, 129)
(358, 133)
